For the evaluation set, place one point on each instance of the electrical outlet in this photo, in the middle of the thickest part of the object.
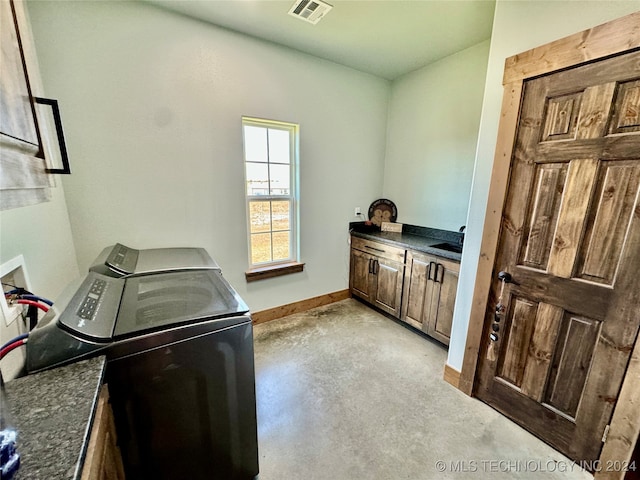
(358, 211)
(13, 272)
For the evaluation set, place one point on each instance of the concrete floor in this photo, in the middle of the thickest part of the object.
(346, 393)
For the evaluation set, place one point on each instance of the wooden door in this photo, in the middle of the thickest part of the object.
(388, 285)
(443, 299)
(570, 238)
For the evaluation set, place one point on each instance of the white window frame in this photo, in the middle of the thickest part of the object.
(292, 198)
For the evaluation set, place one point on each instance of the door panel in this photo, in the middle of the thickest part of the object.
(415, 304)
(570, 238)
(576, 345)
(540, 350)
(443, 297)
(609, 221)
(388, 278)
(520, 329)
(627, 115)
(359, 278)
(446, 300)
(543, 217)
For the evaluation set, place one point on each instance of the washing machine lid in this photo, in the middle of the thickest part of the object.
(168, 300)
(129, 261)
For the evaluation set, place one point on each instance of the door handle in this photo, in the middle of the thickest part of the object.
(438, 270)
(376, 267)
(370, 267)
(505, 277)
(64, 156)
(373, 248)
(431, 268)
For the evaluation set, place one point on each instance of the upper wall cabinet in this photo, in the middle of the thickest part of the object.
(24, 177)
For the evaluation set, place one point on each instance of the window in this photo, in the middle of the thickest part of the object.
(270, 158)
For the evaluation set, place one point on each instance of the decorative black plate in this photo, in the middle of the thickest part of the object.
(382, 210)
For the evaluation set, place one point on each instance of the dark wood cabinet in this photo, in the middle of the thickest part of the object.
(418, 288)
(376, 274)
(443, 299)
(429, 294)
(360, 271)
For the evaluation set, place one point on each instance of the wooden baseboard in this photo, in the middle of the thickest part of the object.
(297, 307)
(451, 376)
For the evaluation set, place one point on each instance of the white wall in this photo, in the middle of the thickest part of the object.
(434, 115)
(42, 235)
(518, 26)
(152, 104)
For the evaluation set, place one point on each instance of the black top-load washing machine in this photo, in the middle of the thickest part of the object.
(179, 348)
(121, 261)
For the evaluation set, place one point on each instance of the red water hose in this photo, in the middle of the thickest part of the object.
(12, 346)
(42, 307)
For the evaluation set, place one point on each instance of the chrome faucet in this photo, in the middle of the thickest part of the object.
(461, 230)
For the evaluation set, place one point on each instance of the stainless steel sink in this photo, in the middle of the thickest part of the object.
(449, 247)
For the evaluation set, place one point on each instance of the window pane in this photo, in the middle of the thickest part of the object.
(260, 248)
(270, 168)
(260, 216)
(255, 144)
(257, 179)
(280, 212)
(280, 179)
(279, 146)
(280, 245)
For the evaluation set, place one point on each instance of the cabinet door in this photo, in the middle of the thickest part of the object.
(417, 290)
(388, 276)
(103, 460)
(18, 115)
(361, 266)
(23, 178)
(443, 300)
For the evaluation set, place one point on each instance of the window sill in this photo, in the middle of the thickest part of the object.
(273, 271)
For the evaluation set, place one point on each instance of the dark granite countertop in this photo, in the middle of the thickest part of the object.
(53, 412)
(413, 237)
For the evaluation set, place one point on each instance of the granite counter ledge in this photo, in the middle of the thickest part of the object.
(53, 413)
(421, 239)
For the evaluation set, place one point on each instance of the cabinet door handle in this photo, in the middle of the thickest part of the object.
(66, 169)
(375, 249)
(437, 271)
(370, 267)
(431, 269)
(376, 267)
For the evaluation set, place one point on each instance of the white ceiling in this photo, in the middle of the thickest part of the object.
(386, 38)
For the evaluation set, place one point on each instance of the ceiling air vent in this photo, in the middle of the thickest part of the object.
(310, 11)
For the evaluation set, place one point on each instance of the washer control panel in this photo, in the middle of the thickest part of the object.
(93, 300)
(123, 259)
(92, 310)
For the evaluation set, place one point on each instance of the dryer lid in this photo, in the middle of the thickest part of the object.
(156, 260)
(168, 300)
(126, 261)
